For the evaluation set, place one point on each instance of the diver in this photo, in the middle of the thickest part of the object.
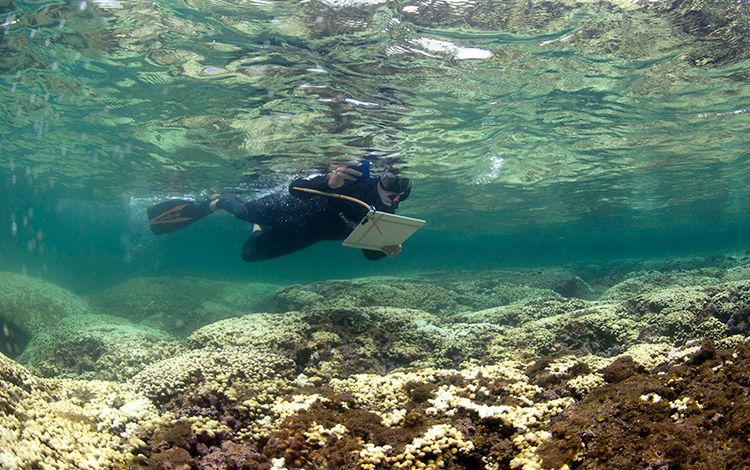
(312, 210)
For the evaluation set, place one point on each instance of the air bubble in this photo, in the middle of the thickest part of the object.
(6, 330)
(14, 228)
(82, 6)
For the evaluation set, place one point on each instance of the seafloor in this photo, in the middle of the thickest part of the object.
(627, 365)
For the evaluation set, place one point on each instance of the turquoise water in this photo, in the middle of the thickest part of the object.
(536, 133)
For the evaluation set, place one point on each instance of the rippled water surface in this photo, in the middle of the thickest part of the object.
(518, 120)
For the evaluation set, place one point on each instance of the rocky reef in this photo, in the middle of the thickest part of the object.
(181, 305)
(57, 334)
(651, 374)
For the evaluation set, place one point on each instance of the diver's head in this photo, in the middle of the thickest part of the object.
(393, 188)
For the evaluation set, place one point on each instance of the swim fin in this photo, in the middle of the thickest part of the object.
(172, 215)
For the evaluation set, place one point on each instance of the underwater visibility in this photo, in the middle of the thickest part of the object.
(374, 234)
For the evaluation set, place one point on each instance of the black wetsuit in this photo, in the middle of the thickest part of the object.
(294, 220)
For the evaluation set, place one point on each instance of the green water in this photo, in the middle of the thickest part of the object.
(536, 133)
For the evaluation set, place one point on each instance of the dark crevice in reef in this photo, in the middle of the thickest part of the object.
(13, 339)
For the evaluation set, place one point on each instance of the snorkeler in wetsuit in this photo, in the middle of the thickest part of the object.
(290, 221)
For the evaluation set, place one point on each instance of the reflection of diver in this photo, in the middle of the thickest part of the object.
(290, 221)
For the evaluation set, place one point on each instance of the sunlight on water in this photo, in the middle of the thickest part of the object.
(510, 118)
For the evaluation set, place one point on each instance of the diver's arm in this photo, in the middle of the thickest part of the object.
(333, 182)
(318, 183)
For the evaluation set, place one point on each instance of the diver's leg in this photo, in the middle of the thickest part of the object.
(271, 210)
(271, 243)
(235, 207)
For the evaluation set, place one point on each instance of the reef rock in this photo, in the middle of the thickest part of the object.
(180, 306)
(437, 294)
(56, 334)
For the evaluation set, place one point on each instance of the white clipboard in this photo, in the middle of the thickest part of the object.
(379, 229)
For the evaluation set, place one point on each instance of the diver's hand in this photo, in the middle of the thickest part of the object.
(341, 174)
(392, 250)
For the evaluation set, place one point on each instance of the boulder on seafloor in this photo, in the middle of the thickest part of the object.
(181, 305)
(31, 304)
(55, 333)
(672, 316)
(521, 312)
(596, 328)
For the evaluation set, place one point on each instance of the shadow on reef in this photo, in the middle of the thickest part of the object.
(13, 339)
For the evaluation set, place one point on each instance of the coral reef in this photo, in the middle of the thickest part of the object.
(32, 305)
(180, 306)
(656, 280)
(320, 343)
(96, 346)
(56, 334)
(437, 294)
(636, 380)
(62, 424)
(695, 415)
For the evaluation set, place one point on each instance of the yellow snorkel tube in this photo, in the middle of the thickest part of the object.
(370, 208)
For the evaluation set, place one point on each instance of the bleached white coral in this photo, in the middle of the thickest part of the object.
(319, 435)
(430, 451)
(520, 417)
